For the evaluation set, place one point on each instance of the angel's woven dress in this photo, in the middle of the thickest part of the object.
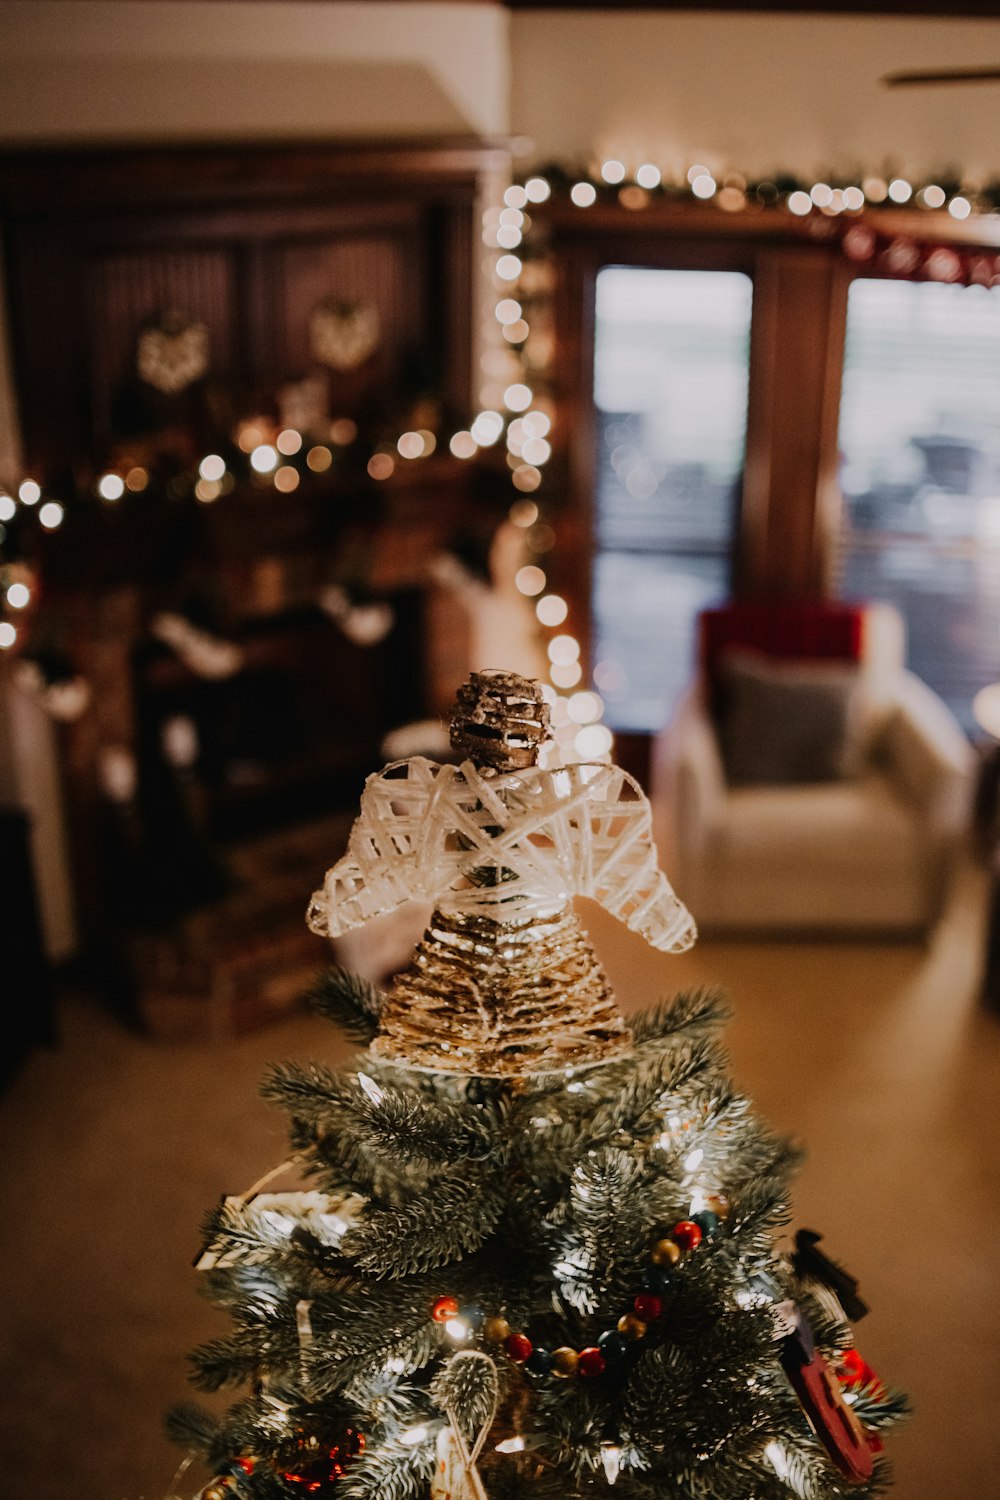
(504, 980)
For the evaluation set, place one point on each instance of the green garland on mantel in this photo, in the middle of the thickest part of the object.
(645, 184)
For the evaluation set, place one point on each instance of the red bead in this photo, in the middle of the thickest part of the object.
(591, 1363)
(246, 1464)
(443, 1309)
(519, 1347)
(648, 1306)
(687, 1234)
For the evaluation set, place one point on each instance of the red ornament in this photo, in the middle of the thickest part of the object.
(443, 1309)
(246, 1464)
(519, 1347)
(591, 1363)
(687, 1234)
(853, 1369)
(648, 1306)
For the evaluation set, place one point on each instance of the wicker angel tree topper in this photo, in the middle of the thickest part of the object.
(537, 1260)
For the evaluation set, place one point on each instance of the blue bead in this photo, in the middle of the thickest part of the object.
(539, 1362)
(472, 1313)
(613, 1346)
(655, 1279)
(707, 1222)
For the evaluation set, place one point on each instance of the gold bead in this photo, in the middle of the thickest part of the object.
(718, 1204)
(219, 1489)
(665, 1253)
(495, 1330)
(631, 1326)
(564, 1361)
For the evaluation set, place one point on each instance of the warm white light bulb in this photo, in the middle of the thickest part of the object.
(212, 466)
(109, 487)
(264, 458)
(536, 190)
(51, 515)
(583, 194)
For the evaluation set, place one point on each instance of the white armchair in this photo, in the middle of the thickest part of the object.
(872, 853)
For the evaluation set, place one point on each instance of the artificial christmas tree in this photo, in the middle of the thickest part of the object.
(537, 1260)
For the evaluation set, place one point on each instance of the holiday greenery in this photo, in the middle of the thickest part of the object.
(543, 1281)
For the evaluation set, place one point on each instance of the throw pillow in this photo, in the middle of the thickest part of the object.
(789, 722)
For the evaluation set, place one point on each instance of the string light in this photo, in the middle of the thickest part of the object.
(212, 467)
(8, 508)
(380, 466)
(51, 515)
(109, 487)
(8, 635)
(319, 459)
(648, 176)
(19, 596)
(529, 580)
(463, 445)
(537, 190)
(517, 397)
(487, 428)
(583, 194)
(264, 458)
(552, 610)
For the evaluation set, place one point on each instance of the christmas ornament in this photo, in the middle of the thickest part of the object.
(809, 1262)
(344, 334)
(172, 354)
(203, 654)
(364, 624)
(456, 1475)
(830, 1416)
(505, 982)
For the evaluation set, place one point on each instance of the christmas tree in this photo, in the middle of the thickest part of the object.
(536, 1258)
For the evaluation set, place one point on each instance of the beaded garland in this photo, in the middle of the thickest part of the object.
(613, 1344)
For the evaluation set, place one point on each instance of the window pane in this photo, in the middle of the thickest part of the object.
(920, 442)
(670, 386)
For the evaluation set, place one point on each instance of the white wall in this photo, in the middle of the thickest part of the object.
(753, 92)
(101, 70)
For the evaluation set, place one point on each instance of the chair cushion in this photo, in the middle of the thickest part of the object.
(788, 723)
(860, 826)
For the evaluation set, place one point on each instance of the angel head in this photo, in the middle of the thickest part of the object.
(500, 720)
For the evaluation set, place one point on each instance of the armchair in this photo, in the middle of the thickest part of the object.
(871, 852)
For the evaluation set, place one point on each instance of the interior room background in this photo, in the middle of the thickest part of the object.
(411, 117)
